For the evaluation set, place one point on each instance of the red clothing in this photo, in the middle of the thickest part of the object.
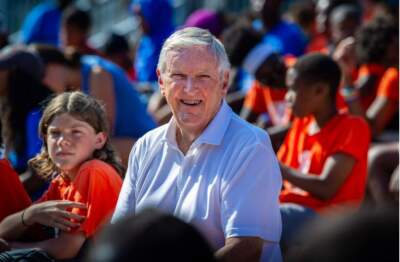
(368, 70)
(307, 153)
(13, 196)
(97, 185)
(263, 99)
(389, 85)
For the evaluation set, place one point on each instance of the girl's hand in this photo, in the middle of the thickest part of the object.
(54, 214)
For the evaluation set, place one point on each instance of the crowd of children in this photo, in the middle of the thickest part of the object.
(321, 76)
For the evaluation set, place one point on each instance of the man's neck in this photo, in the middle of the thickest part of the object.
(184, 140)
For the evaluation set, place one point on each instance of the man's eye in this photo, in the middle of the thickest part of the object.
(178, 76)
(204, 77)
(54, 133)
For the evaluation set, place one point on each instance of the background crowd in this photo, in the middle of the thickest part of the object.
(337, 146)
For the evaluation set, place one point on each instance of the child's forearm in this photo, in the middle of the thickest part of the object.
(12, 226)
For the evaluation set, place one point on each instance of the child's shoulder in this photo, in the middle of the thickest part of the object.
(349, 120)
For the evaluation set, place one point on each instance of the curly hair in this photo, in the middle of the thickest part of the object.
(84, 108)
(373, 39)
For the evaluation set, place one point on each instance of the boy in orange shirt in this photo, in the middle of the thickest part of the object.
(324, 156)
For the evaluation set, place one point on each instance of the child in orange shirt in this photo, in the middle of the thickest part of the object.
(324, 156)
(77, 153)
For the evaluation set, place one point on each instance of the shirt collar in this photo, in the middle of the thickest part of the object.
(214, 132)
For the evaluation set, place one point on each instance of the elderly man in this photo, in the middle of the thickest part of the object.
(206, 166)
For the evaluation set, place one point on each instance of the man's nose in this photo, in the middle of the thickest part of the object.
(189, 85)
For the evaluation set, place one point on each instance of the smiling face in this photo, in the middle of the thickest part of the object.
(193, 87)
(71, 142)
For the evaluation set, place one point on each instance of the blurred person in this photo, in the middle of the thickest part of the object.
(150, 235)
(266, 97)
(344, 22)
(126, 113)
(206, 166)
(43, 23)
(21, 91)
(156, 22)
(303, 13)
(323, 159)
(117, 50)
(283, 36)
(75, 29)
(383, 167)
(368, 235)
(375, 93)
(78, 155)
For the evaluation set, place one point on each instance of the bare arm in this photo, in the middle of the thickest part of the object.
(379, 113)
(66, 246)
(248, 115)
(49, 213)
(241, 249)
(102, 88)
(336, 169)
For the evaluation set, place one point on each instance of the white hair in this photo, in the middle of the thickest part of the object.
(193, 36)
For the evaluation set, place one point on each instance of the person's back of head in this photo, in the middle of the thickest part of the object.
(238, 40)
(377, 42)
(370, 235)
(344, 21)
(76, 26)
(318, 68)
(150, 236)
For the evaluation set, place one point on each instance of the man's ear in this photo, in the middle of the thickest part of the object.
(160, 82)
(225, 81)
(321, 89)
(101, 139)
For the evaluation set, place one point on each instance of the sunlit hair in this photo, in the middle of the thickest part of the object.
(193, 36)
(83, 108)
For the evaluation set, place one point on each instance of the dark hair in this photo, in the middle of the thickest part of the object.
(346, 11)
(238, 40)
(368, 235)
(52, 55)
(150, 236)
(84, 108)
(373, 39)
(116, 44)
(24, 93)
(318, 68)
(78, 19)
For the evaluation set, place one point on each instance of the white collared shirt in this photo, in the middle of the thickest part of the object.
(227, 185)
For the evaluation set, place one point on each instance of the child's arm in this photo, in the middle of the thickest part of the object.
(66, 246)
(335, 171)
(48, 213)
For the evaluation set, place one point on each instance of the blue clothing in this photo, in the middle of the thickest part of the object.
(287, 38)
(132, 119)
(42, 24)
(158, 16)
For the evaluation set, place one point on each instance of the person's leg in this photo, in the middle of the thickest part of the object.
(294, 217)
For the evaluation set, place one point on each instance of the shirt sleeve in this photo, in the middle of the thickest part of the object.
(389, 85)
(127, 201)
(355, 138)
(249, 195)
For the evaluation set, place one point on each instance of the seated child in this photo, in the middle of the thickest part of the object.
(76, 152)
(324, 156)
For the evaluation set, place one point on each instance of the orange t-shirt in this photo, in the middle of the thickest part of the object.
(389, 85)
(97, 185)
(365, 71)
(306, 153)
(13, 196)
(263, 99)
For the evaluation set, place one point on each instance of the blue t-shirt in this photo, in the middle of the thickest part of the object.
(42, 24)
(132, 119)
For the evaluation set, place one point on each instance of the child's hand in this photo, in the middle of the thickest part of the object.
(344, 54)
(54, 214)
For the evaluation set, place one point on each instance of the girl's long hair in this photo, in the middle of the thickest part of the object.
(82, 107)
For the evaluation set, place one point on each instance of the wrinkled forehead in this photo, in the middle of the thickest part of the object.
(193, 56)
